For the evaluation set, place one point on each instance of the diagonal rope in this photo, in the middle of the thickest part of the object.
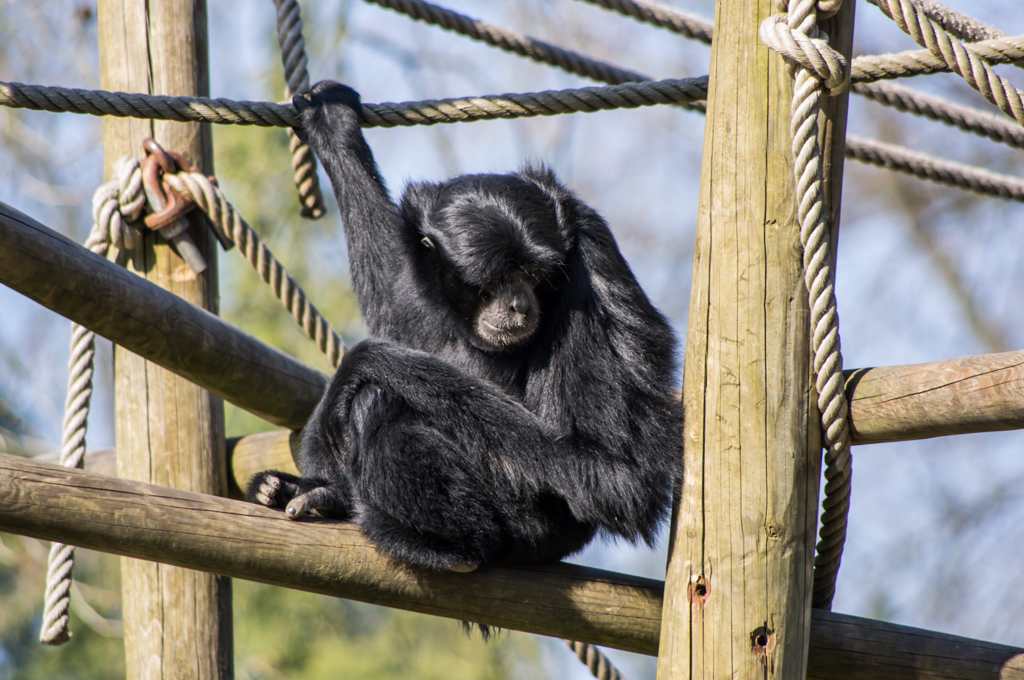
(231, 228)
(115, 206)
(795, 35)
(964, 60)
(597, 662)
(293, 56)
(510, 41)
(967, 118)
(662, 16)
(927, 167)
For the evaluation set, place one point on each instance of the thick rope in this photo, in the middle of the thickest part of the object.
(927, 167)
(660, 15)
(962, 26)
(802, 47)
(232, 228)
(115, 206)
(688, 92)
(510, 41)
(600, 666)
(873, 67)
(293, 56)
(964, 60)
(967, 118)
(995, 48)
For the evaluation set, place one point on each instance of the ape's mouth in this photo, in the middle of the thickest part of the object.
(505, 333)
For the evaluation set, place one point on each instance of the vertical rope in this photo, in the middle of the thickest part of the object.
(293, 56)
(115, 204)
(816, 65)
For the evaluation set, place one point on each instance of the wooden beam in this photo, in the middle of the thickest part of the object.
(561, 600)
(245, 540)
(177, 622)
(980, 393)
(738, 588)
(155, 324)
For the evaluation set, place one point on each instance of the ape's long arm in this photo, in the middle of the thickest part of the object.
(374, 230)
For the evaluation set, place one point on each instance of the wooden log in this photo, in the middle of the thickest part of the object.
(980, 393)
(561, 600)
(738, 587)
(125, 308)
(244, 540)
(170, 431)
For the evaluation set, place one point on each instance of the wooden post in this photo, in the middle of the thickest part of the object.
(737, 601)
(177, 622)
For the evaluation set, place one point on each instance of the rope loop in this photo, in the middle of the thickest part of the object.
(810, 51)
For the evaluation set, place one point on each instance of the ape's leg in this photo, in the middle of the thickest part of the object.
(424, 498)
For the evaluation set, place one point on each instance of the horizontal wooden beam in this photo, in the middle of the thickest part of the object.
(980, 393)
(155, 324)
(561, 600)
(243, 540)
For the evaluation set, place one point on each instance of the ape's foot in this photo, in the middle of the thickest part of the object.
(298, 496)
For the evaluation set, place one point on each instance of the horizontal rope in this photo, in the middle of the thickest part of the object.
(927, 167)
(688, 92)
(868, 68)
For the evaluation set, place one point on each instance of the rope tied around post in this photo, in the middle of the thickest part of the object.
(808, 54)
(116, 206)
(170, 186)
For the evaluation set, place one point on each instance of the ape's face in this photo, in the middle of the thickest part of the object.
(507, 313)
(495, 242)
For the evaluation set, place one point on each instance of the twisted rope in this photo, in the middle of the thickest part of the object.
(921, 165)
(661, 15)
(873, 67)
(293, 56)
(115, 205)
(869, 68)
(510, 41)
(968, 61)
(807, 54)
(231, 228)
(995, 48)
(964, 60)
(966, 118)
(962, 26)
(688, 92)
(600, 665)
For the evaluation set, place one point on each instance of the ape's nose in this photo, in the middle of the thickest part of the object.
(520, 302)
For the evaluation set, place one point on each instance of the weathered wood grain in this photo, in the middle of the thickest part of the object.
(125, 308)
(981, 393)
(739, 579)
(248, 541)
(170, 431)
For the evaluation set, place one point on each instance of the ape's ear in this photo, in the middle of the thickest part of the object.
(417, 202)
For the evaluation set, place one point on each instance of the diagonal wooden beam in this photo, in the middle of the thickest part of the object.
(153, 323)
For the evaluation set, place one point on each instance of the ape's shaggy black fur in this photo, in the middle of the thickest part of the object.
(516, 395)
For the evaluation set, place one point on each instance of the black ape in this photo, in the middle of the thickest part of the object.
(516, 395)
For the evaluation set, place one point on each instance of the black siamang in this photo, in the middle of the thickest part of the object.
(516, 394)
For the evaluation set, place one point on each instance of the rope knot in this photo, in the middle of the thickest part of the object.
(116, 206)
(810, 51)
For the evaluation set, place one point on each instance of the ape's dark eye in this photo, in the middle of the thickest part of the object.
(485, 296)
(427, 243)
